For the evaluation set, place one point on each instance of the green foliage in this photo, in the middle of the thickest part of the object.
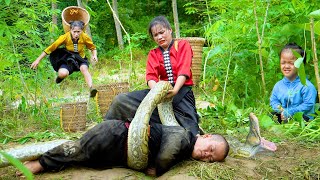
(299, 64)
(15, 162)
(232, 121)
(233, 31)
(315, 14)
(297, 128)
(228, 119)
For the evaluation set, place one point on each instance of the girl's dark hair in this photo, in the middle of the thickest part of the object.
(159, 20)
(76, 24)
(297, 48)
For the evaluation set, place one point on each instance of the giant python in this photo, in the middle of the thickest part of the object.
(138, 133)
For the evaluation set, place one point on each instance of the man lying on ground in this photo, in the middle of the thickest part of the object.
(105, 146)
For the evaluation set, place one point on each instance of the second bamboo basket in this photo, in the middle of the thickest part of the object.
(106, 93)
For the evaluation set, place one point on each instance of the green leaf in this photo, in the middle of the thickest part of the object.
(266, 121)
(302, 75)
(299, 117)
(15, 162)
(299, 64)
(315, 14)
(7, 2)
(214, 51)
(264, 52)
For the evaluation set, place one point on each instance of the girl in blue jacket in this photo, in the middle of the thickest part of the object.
(289, 95)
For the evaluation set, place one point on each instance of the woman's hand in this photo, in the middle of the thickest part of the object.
(172, 93)
(151, 83)
(179, 83)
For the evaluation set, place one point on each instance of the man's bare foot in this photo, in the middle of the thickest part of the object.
(33, 166)
(254, 137)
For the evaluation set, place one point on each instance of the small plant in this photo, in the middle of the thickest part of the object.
(16, 163)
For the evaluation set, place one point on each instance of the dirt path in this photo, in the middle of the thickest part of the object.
(290, 161)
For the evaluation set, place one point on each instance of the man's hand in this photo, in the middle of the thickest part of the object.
(151, 171)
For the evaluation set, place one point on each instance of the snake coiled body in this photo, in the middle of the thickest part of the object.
(166, 114)
(138, 131)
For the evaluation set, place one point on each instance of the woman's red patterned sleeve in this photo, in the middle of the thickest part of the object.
(152, 71)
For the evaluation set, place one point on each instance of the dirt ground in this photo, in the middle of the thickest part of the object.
(290, 161)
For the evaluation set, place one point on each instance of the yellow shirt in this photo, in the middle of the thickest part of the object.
(84, 40)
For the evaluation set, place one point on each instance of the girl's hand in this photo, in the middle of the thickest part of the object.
(284, 118)
(34, 65)
(94, 58)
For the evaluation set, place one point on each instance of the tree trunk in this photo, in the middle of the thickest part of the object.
(116, 23)
(175, 18)
(130, 49)
(88, 31)
(54, 18)
(315, 57)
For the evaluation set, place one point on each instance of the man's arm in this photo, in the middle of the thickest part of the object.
(175, 147)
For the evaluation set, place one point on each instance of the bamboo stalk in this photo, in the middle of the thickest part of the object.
(227, 76)
(204, 68)
(315, 57)
(260, 38)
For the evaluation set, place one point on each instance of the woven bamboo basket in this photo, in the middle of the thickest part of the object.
(74, 13)
(196, 67)
(73, 116)
(106, 93)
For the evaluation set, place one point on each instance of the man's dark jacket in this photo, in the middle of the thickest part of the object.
(105, 145)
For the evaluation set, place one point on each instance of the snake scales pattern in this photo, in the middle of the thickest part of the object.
(138, 131)
(30, 151)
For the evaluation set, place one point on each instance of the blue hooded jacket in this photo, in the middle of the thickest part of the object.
(293, 97)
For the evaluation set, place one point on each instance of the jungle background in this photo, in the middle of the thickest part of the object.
(240, 67)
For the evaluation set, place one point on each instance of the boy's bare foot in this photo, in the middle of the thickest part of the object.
(33, 166)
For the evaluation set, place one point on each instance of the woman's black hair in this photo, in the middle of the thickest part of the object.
(297, 48)
(159, 20)
(76, 24)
